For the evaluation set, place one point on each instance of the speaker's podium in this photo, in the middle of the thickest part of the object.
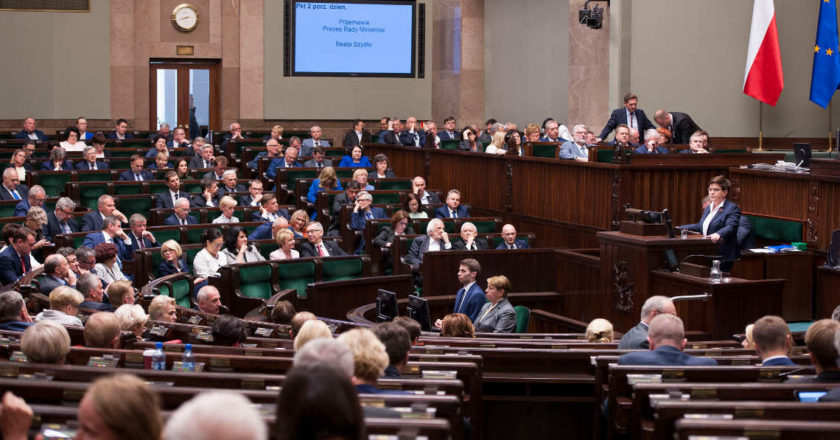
(633, 262)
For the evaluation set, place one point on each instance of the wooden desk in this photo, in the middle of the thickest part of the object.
(827, 292)
(795, 267)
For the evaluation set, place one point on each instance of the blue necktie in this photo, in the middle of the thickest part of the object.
(369, 215)
(15, 195)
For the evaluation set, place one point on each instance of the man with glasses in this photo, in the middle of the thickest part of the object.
(255, 194)
(576, 150)
(181, 216)
(137, 173)
(348, 197)
(272, 151)
(36, 197)
(105, 206)
(12, 189)
(229, 183)
(14, 260)
(270, 210)
(315, 246)
(85, 260)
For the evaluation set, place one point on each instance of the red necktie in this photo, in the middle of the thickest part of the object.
(321, 251)
(23, 265)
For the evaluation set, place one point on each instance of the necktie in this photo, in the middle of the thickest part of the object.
(321, 251)
(369, 216)
(94, 166)
(513, 246)
(460, 297)
(184, 222)
(15, 195)
(472, 246)
(317, 143)
(633, 120)
(205, 164)
(416, 139)
(138, 177)
(453, 214)
(23, 264)
(65, 228)
(139, 242)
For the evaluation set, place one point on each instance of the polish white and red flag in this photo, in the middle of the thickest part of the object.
(763, 79)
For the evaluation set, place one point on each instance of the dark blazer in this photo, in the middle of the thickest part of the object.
(198, 201)
(95, 238)
(174, 220)
(92, 221)
(22, 208)
(197, 163)
(164, 199)
(307, 249)
(390, 138)
(153, 166)
(465, 145)
(98, 306)
(433, 198)
(519, 243)
(166, 268)
(358, 219)
(386, 235)
(470, 302)
(619, 116)
(444, 135)
(85, 165)
(53, 226)
(263, 232)
(664, 355)
(443, 212)
(113, 135)
(502, 319)
(256, 216)
(388, 174)
(725, 223)
(480, 244)
(128, 175)
(223, 189)
(279, 162)
(11, 267)
(48, 283)
(351, 139)
(635, 338)
(311, 163)
(246, 201)
(682, 127)
(129, 250)
(48, 165)
(24, 135)
(22, 190)
(746, 238)
(785, 361)
(643, 150)
(407, 138)
(419, 246)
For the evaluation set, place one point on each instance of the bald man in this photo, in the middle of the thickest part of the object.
(667, 341)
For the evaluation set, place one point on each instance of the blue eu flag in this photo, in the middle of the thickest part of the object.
(825, 76)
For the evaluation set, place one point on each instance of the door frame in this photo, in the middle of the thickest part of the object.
(183, 67)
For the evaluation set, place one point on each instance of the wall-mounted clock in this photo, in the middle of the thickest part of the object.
(185, 17)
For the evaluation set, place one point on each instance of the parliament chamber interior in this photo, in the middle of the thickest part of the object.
(417, 219)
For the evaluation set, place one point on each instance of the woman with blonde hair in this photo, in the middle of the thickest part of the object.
(312, 329)
(172, 262)
(132, 319)
(600, 331)
(361, 176)
(497, 144)
(748, 342)
(162, 308)
(326, 181)
(369, 358)
(64, 306)
(226, 205)
(286, 240)
(457, 325)
(298, 222)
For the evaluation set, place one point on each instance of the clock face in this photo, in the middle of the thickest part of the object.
(185, 18)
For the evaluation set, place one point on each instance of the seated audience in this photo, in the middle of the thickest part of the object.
(412, 326)
(12, 189)
(235, 134)
(497, 315)
(270, 210)
(56, 273)
(397, 345)
(209, 300)
(93, 221)
(318, 402)
(326, 181)
(121, 406)
(399, 226)
(453, 208)
(283, 312)
(364, 211)
(106, 263)
(203, 160)
(289, 160)
(136, 171)
(298, 222)
(13, 313)
(469, 141)
(64, 306)
(181, 214)
(497, 144)
(158, 147)
(513, 143)
(361, 176)
(355, 159)
(313, 141)
(315, 246)
(652, 145)
(132, 319)
(227, 205)
(208, 260)
(666, 339)
(833, 395)
(269, 230)
(820, 342)
(85, 260)
(201, 418)
(272, 151)
(58, 161)
(413, 135)
(286, 240)
(369, 359)
(209, 196)
(532, 133)
(61, 221)
(698, 143)
(172, 263)
(228, 331)
(380, 161)
(319, 159)
(772, 341)
(600, 331)
(748, 342)
(162, 308)
(418, 187)
(457, 325)
(140, 237)
(121, 131)
(469, 242)
(509, 240)
(30, 132)
(71, 141)
(230, 183)
(413, 207)
(89, 162)
(310, 330)
(14, 259)
(102, 330)
(46, 342)
(575, 149)
(237, 249)
(18, 161)
(120, 292)
(255, 194)
(90, 285)
(636, 337)
(436, 239)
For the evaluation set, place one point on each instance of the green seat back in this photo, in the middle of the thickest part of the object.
(53, 183)
(292, 176)
(544, 150)
(345, 173)
(335, 152)
(485, 226)
(120, 163)
(250, 228)
(194, 235)
(192, 188)
(605, 156)
(157, 188)
(774, 229)
(296, 276)
(386, 198)
(167, 234)
(89, 195)
(130, 207)
(394, 185)
(7, 210)
(255, 281)
(182, 292)
(240, 214)
(121, 153)
(449, 144)
(267, 248)
(78, 241)
(420, 225)
(157, 258)
(731, 150)
(94, 176)
(164, 290)
(140, 142)
(484, 145)
(523, 315)
(343, 269)
(133, 188)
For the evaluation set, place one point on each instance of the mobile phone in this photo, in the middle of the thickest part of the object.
(809, 396)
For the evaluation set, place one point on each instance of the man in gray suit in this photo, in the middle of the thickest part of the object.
(314, 141)
(636, 337)
(435, 239)
(318, 159)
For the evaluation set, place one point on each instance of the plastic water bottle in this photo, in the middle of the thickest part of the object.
(159, 358)
(715, 274)
(188, 358)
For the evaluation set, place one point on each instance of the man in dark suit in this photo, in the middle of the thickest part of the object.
(12, 189)
(470, 298)
(137, 172)
(363, 211)
(679, 124)
(204, 160)
(270, 210)
(552, 132)
(469, 242)
(181, 216)
(235, 134)
(436, 239)
(90, 162)
(449, 131)
(14, 260)
(272, 151)
(229, 183)
(318, 160)
(392, 135)
(636, 337)
(666, 338)
(772, 341)
(180, 142)
(821, 340)
(140, 237)
(289, 160)
(30, 132)
(56, 273)
(90, 286)
(509, 240)
(413, 135)
(111, 232)
(453, 208)
(357, 136)
(315, 246)
(92, 221)
(166, 199)
(418, 186)
(13, 316)
(348, 197)
(255, 194)
(36, 197)
(269, 230)
(629, 115)
(120, 131)
(61, 221)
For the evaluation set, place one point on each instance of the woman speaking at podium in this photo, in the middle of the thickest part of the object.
(720, 222)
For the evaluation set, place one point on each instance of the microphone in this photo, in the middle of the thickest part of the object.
(670, 226)
(224, 310)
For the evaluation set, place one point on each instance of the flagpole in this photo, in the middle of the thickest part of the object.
(760, 126)
(830, 144)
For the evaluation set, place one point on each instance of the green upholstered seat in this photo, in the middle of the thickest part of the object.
(292, 175)
(182, 292)
(775, 229)
(267, 248)
(485, 226)
(341, 269)
(605, 156)
(119, 163)
(89, 195)
(523, 315)
(194, 235)
(394, 185)
(130, 207)
(7, 210)
(542, 150)
(94, 176)
(121, 153)
(335, 152)
(129, 188)
(255, 281)
(169, 234)
(53, 183)
(449, 144)
(389, 198)
(192, 188)
(296, 276)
